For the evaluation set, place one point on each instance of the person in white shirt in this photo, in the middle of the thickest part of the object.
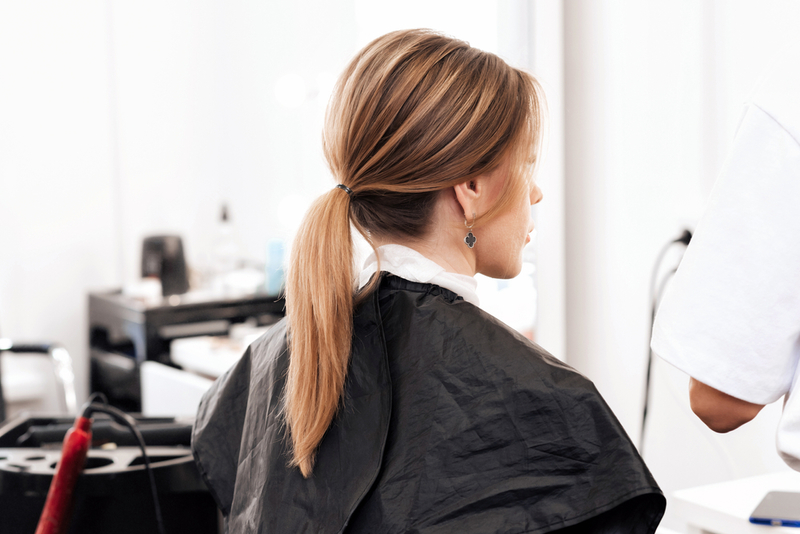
(731, 316)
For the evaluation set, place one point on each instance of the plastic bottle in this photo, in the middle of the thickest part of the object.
(226, 253)
(273, 284)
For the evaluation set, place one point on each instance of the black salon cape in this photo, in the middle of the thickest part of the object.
(451, 423)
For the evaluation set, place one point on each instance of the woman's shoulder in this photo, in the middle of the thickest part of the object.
(491, 410)
(463, 329)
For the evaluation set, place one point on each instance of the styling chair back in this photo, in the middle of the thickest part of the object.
(62, 368)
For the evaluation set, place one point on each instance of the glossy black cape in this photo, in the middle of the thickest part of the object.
(452, 422)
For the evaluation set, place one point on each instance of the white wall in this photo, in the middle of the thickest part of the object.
(200, 121)
(57, 231)
(125, 119)
(547, 62)
(633, 133)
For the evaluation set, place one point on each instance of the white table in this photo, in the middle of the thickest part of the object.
(167, 391)
(725, 508)
(212, 356)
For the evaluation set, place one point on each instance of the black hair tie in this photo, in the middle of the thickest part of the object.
(345, 189)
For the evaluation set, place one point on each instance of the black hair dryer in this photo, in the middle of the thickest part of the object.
(162, 257)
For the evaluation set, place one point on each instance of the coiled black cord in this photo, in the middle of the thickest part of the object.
(121, 417)
(656, 289)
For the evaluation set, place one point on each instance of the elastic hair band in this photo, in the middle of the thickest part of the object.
(345, 188)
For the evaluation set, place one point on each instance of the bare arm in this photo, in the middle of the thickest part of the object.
(719, 411)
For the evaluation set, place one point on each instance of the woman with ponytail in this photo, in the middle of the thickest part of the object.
(387, 401)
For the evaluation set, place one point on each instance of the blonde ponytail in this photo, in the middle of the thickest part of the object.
(319, 304)
(414, 113)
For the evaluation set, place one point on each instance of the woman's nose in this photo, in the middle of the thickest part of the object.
(536, 195)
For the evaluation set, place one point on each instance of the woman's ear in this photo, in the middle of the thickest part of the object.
(469, 195)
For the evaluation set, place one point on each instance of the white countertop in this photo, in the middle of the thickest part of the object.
(725, 507)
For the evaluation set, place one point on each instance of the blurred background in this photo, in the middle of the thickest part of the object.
(121, 120)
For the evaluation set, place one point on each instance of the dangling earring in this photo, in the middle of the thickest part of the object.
(470, 239)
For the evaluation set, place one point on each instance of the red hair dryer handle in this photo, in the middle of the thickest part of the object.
(58, 507)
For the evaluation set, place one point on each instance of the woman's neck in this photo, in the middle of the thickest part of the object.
(439, 251)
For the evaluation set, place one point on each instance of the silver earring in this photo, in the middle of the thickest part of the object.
(470, 239)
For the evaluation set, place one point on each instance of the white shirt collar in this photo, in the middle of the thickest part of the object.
(409, 264)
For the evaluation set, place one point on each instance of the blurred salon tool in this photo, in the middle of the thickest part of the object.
(162, 258)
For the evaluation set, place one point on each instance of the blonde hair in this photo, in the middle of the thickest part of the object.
(414, 113)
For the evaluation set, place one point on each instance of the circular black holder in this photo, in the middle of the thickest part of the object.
(113, 492)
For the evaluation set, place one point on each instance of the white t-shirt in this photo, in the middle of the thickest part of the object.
(409, 264)
(731, 316)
